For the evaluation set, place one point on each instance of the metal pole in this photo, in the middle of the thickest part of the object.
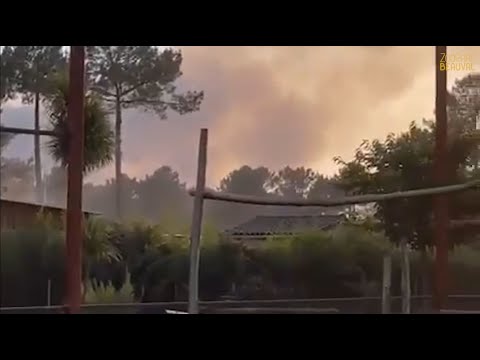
(406, 288)
(75, 167)
(440, 204)
(197, 224)
(49, 292)
(387, 280)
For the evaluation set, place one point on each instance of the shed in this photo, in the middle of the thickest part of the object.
(18, 214)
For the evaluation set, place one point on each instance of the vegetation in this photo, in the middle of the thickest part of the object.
(99, 137)
(137, 77)
(34, 66)
(7, 69)
(38, 74)
(141, 262)
(162, 196)
(107, 294)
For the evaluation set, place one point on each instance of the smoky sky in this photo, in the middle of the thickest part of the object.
(277, 106)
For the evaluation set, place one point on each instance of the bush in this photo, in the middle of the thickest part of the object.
(465, 269)
(108, 294)
(29, 259)
(344, 262)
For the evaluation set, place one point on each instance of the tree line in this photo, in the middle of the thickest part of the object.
(162, 194)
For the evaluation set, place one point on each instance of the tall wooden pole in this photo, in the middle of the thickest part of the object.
(74, 229)
(440, 168)
(196, 230)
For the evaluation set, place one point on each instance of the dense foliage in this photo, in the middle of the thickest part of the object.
(160, 196)
(99, 137)
(405, 162)
(137, 77)
(146, 263)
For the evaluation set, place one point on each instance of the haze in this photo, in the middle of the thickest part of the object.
(276, 106)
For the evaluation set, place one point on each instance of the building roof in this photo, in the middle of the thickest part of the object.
(285, 225)
(45, 206)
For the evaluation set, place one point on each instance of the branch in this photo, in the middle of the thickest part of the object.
(350, 200)
(101, 91)
(149, 101)
(133, 88)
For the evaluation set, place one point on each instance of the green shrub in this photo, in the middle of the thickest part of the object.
(107, 294)
(29, 259)
(465, 270)
(344, 262)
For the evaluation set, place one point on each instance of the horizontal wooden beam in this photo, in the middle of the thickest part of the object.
(349, 200)
(20, 131)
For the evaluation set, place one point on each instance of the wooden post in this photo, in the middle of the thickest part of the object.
(74, 238)
(387, 280)
(440, 202)
(406, 287)
(197, 224)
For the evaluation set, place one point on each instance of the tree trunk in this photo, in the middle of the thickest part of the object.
(36, 144)
(118, 160)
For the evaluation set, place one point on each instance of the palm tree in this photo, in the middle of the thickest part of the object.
(99, 137)
(98, 152)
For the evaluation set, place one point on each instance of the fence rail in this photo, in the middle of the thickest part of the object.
(349, 200)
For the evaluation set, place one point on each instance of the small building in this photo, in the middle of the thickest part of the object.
(262, 227)
(17, 214)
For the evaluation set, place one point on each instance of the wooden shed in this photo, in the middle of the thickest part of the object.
(17, 214)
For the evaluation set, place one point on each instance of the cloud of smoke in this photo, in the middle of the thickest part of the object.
(278, 106)
(302, 105)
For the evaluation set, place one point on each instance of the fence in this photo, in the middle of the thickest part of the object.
(200, 193)
(364, 305)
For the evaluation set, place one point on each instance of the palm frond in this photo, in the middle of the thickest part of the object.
(99, 137)
(97, 245)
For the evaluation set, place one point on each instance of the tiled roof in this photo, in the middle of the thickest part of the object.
(276, 225)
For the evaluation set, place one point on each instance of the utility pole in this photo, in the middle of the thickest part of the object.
(75, 233)
(440, 202)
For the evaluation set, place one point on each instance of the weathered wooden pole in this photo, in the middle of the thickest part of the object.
(74, 231)
(196, 230)
(387, 280)
(440, 202)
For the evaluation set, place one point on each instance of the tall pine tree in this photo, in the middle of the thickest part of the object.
(35, 66)
(138, 77)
